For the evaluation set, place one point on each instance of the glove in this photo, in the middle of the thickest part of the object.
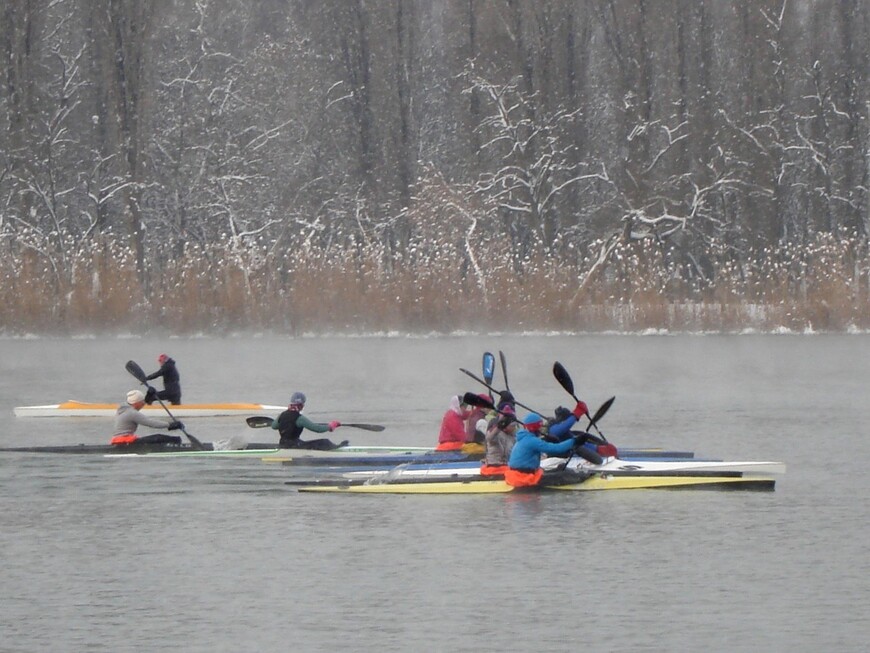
(580, 410)
(175, 425)
(334, 425)
(562, 414)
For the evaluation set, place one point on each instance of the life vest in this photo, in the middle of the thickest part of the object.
(450, 446)
(288, 428)
(516, 478)
(493, 470)
(121, 440)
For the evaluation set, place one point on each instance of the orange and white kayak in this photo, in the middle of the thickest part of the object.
(74, 408)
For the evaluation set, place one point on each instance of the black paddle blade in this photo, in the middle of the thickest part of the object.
(134, 369)
(365, 427)
(563, 378)
(503, 360)
(473, 400)
(602, 410)
(259, 421)
(488, 366)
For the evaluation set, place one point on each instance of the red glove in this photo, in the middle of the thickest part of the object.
(334, 425)
(580, 410)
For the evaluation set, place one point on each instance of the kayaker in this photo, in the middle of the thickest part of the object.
(560, 428)
(171, 382)
(500, 439)
(524, 463)
(292, 422)
(473, 431)
(128, 418)
(451, 436)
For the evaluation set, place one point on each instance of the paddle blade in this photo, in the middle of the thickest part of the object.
(488, 366)
(473, 400)
(259, 421)
(503, 360)
(602, 410)
(564, 378)
(366, 427)
(136, 371)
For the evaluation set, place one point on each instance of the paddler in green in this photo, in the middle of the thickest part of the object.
(128, 418)
(292, 422)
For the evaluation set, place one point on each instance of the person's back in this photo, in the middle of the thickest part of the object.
(291, 423)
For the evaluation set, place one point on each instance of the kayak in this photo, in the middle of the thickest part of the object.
(337, 456)
(602, 481)
(144, 449)
(74, 408)
(617, 466)
(395, 455)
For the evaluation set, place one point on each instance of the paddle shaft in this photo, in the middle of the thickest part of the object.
(479, 380)
(262, 421)
(134, 369)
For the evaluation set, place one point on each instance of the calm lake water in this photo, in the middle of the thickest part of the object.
(220, 556)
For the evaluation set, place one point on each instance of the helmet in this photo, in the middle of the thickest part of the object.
(135, 396)
(532, 421)
(297, 398)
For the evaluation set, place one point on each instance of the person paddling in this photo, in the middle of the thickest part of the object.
(292, 422)
(524, 464)
(501, 435)
(128, 418)
(451, 436)
(171, 382)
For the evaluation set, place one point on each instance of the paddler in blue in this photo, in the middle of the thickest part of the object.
(171, 382)
(128, 418)
(292, 422)
(524, 464)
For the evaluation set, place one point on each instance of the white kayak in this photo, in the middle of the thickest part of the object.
(612, 465)
(73, 408)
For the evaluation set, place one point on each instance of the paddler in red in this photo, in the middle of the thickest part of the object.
(451, 437)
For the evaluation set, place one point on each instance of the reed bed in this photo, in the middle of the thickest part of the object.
(442, 288)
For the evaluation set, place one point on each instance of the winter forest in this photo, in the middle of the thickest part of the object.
(366, 166)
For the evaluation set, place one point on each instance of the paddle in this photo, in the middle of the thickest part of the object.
(479, 380)
(565, 381)
(504, 370)
(140, 375)
(262, 421)
(488, 367)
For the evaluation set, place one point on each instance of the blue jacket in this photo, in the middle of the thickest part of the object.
(559, 431)
(526, 454)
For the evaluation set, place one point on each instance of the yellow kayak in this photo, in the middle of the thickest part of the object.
(593, 483)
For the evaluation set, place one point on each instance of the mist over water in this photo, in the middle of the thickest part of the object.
(219, 555)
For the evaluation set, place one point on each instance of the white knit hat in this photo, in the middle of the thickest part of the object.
(135, 396)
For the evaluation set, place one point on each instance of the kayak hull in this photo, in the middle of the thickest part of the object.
(596, 482)
(616, 466)
(74, 408)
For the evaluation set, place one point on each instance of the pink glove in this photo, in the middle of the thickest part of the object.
(580, 410)
(334, 425)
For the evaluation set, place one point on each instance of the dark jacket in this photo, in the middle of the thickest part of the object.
(171, 381)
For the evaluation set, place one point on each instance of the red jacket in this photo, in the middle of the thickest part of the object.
(453, 423)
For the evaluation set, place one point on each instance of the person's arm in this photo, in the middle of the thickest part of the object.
(153, 422)
(306, 423)
(156, 374)
(559, 431)
(555, 448)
